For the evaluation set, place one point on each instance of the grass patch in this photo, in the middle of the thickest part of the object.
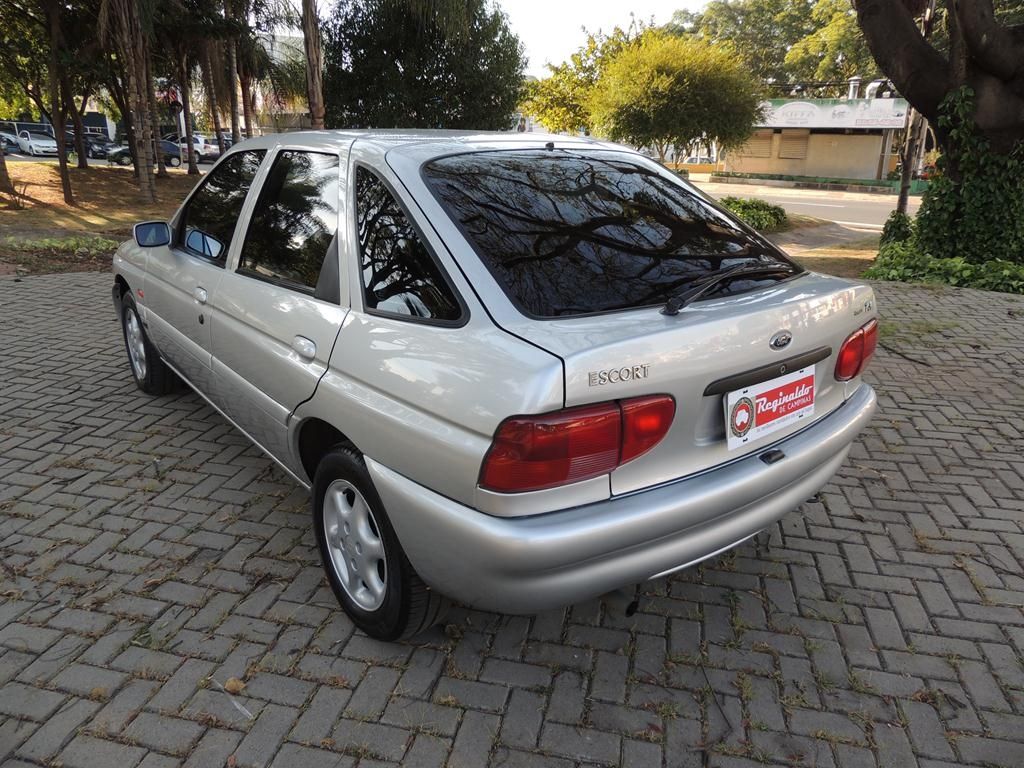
(851, 267)
(49, 255)
(107, 201)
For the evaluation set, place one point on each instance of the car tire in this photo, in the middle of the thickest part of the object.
(151, 374)
(381, 592)
(174, 162)
(124, 159)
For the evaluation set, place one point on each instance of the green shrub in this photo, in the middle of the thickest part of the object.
(899, 227)
(905, 261)
(759, 214)
(974, 207)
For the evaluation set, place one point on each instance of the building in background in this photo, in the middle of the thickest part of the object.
(823, 138)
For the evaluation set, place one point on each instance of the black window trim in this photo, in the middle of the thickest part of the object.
(182, 214)
(464, 314)
(332, 246)
(425, 180)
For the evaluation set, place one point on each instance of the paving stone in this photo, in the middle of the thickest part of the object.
(20, 700)
(214, 748)
(58, 729)
(581, 743)
(164, 734)
(292, 755)
(266, 734)
(890, 602)
(88, 752)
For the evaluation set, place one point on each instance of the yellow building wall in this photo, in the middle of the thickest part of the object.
(833, 155)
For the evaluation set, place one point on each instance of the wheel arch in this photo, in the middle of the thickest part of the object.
(315, 438)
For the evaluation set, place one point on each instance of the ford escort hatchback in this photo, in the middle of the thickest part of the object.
(514, 370)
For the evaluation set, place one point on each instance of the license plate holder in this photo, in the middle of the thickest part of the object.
(759, 410)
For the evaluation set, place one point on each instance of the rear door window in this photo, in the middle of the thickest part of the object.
(294, 223)
(208, 222)
(569, 233)
(400, 275)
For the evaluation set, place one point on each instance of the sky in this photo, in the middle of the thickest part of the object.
(552, 29)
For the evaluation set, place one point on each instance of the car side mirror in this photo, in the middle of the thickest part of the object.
(151, 234)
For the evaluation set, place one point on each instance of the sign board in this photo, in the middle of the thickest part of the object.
(835, 113)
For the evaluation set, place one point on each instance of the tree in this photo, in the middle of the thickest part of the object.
(676, 92)
(314, 63)
(835, 50)
(561, 101)
(387, 63)
(973, 95)
(122, 18)
(984, 54)
(760, 31)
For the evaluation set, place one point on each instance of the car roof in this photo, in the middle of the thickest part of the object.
(427, 142)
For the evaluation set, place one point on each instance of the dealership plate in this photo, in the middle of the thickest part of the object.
(760, 409)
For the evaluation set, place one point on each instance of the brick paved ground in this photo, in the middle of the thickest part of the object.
(150, 556)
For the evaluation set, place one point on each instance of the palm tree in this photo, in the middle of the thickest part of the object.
(314, 63)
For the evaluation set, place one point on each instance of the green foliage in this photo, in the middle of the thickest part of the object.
(835, 50)
(759, 214)
(83, 245)
(760, 31)
(668, 91)
(908, 262)
(561, 101)
(974, 208)
(899, 227)
(388, 64)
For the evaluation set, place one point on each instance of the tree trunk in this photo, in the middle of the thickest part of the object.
(218, 130)
(314, 63)
(56, 108)
(246, 104)
(133, 51)
(236, 135)
(186, 112)
(76, 120)
(6, 185)
(156, 158)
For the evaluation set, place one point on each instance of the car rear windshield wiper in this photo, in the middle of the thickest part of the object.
(705, 284)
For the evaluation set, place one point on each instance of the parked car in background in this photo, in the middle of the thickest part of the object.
(97, 146)
(35, 144)
(200, 143)
(171, 153)
(518, 370)
(10, 141)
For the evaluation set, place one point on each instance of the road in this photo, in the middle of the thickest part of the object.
(860, 210)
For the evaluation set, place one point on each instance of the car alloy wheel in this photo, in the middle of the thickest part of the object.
(174, 162)
(135, 342)
(355, 545)
(124, 160)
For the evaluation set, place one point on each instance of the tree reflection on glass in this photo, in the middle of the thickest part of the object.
(216, 205)
(399, 274)
(294, 220)
(568, 233)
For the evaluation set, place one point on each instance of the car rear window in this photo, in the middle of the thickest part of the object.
(570, 233)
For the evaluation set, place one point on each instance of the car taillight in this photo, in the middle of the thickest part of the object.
(530, 453)
(856, 351)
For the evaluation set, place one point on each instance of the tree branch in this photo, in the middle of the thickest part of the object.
(992, 46)
(918, 71)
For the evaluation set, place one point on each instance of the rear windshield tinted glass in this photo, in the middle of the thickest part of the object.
(569, 233)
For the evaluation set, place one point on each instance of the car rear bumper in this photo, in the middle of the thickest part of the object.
(529, 564)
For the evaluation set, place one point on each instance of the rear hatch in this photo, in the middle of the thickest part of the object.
(587, 246)
(701, 355)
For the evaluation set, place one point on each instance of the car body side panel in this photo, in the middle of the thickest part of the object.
(259, 376)
(428, 397)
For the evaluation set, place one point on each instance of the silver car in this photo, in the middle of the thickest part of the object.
(514, 370)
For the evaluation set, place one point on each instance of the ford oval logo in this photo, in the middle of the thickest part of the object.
(781, 340)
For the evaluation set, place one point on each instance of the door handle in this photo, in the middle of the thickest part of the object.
(304, 347)
(199, 294)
